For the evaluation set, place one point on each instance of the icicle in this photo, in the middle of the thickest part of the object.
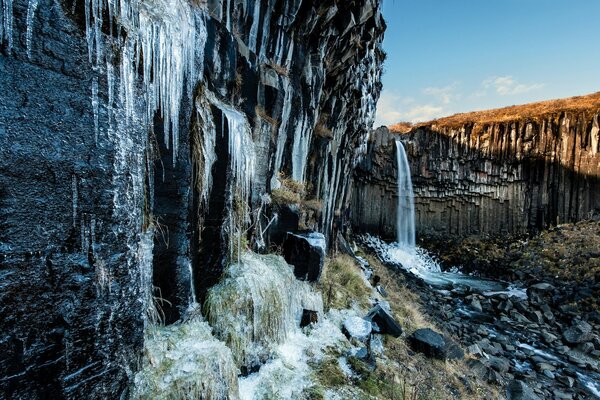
(6, 24)
(75, 198)
(302, 136)
(110, 80)
(95, 107)
(254, 28)
(162, 41)
(31, 8)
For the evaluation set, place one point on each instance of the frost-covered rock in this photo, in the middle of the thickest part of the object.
(357, 328)
(257, 305)
(184, 361)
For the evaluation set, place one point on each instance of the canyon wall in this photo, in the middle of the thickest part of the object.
(486, 178)
(137, 140)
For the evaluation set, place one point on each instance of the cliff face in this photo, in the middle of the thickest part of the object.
(136, 139)
(473, 175)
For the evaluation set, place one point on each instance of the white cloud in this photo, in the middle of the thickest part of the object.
(444, 95)
(507, 86)
(393, 108)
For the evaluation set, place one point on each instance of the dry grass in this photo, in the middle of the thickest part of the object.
(342, 284)
(280, 69)
(533, 111)
(283, 196)
(404, 375)
(321, 129)
(313, 205)
(262, 113)
(290, 192)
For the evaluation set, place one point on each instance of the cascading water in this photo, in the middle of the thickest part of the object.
(405, 215)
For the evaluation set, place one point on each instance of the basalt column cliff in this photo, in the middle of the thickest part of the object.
(509, 171)
(142, 143)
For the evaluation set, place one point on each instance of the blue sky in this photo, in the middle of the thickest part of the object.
(449, 56)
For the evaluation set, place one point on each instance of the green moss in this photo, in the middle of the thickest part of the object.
(330, 374)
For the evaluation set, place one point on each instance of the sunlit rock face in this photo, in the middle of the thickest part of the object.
(513, 177)
(139, 144)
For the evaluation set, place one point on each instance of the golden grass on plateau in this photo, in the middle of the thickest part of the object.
(533, 111)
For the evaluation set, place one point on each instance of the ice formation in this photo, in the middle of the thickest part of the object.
(164, 38)
(289, 374)
(257, 305)
(31, 8)
(184, 361)
(6, 23)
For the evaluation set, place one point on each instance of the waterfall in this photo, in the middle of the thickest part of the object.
(405, 215)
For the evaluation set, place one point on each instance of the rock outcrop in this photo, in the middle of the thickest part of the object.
(137, 139)
(507, 171)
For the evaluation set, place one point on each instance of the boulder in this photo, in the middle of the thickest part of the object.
(518, 390)
(428, 342)
(579, 332)
(435, 345)
(306, 252)
(383, 321)
(499, 364)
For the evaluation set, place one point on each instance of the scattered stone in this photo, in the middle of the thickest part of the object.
(505, 306)
(386, 324)
(548, 337)
(566, 380)
(309, 317)
(586, 347)
(306, 252)
(428, 342)
(579, 332)
(381, 291)
(518, 390)
(542, 287)
(499, 364)
(537, 317)
(476, 305)
(474, 349)
(358, 328)
(549, 374)
(562, 395)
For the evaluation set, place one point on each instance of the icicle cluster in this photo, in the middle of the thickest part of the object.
(184, 361)
(162, 40)
(257, 306)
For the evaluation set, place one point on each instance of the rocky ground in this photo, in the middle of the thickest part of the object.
(408, 366)
(542, 345)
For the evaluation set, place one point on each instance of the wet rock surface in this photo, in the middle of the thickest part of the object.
(103, 211)
(306, 252)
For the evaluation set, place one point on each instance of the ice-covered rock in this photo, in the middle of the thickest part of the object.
(258, 304)
(358, 328)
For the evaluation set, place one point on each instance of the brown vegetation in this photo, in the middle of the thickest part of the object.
(532, 111)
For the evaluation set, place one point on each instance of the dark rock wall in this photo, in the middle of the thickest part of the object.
(508, 178)
(99, 224)
(375, 192)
